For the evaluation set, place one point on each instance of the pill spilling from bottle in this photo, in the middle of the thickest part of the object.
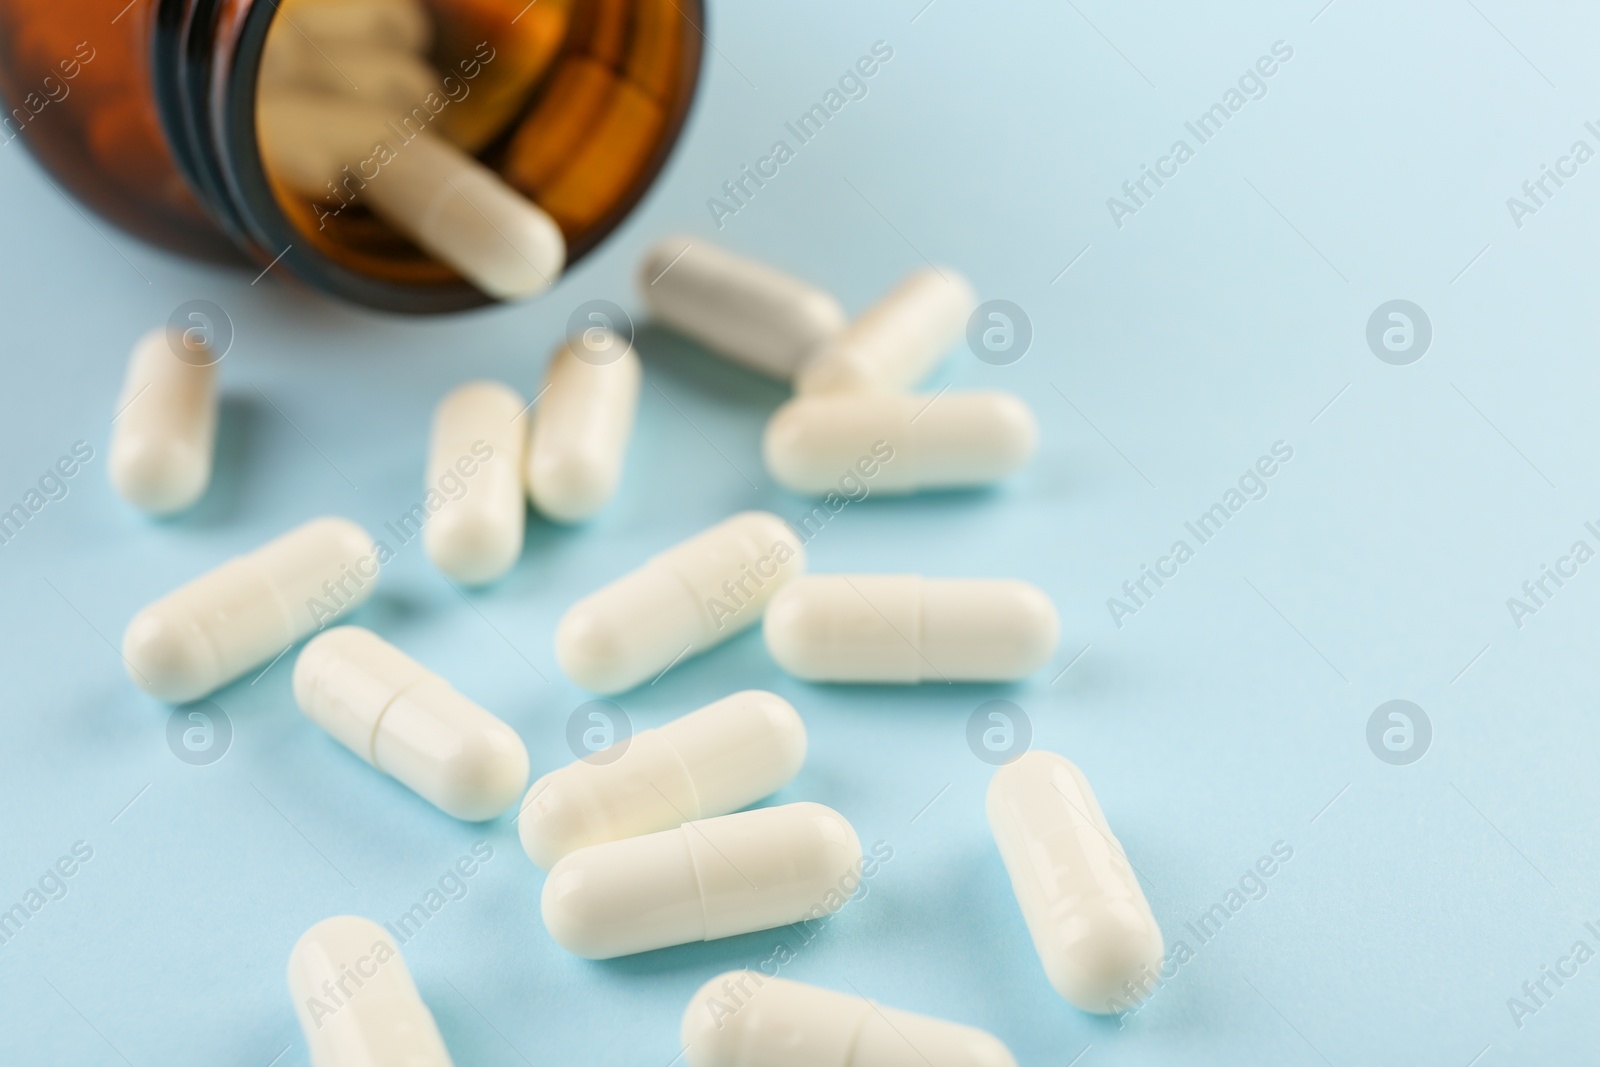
(345, 115)
(657, 838)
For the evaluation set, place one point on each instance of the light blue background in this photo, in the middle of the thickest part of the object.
(1227, 715)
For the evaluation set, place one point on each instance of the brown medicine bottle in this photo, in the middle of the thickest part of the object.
(144, 110)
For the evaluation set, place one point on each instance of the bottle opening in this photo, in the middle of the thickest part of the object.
(462, 143)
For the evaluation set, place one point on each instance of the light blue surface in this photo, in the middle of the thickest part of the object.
(1227, 715)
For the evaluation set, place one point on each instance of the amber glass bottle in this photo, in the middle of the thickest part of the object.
(144, 110)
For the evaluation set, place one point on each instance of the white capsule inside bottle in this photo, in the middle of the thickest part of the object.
(688, 599)
(1089, 920)
(463, 213)
(401, 25)
(442, 199)
(906, 628)
(582, 422)
(747, 311)
(475, 465)
(897, 341)
(707, 879)
(165, 427)
(356, 1001)
(377, 74)
(247, 611)
(746, 1019)
(898, 442)
(410, 723)
(723, 757)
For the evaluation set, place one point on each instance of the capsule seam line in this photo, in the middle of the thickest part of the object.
(699, 882)
(694, 594)
(282, 605)
(205, 630)
(917, 641)
(377, 723)
(688, 776)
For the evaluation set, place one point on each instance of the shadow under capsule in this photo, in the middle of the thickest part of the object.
(690, 363)
(703, 958)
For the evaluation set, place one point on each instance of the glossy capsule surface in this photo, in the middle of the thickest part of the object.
(1089, 920)
(909, 441)
(717, 759)
(746, 1019)
(410, 723)
(240, 615)
(688, 599)
(711, 878)
(356, 1001)
(906, 628)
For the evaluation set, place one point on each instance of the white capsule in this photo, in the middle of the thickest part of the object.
(166, 422)
(898, 442)
(688, 599)
(410, 723)
(463, 213)
(306, 139)
(240, 615)
(1090, 923)
(745, 1019)
(446, 202)
(897, 341)
(475, 465)
(581, 426)
(712, 761)
(711, 878)
(747, 311)
(355, 999)
(393, 24)
(395, 79)
(906, 628)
